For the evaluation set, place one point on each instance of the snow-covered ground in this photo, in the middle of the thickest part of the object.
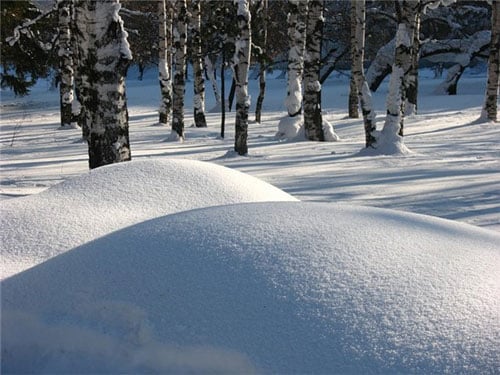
(453, 173)
(178, 274)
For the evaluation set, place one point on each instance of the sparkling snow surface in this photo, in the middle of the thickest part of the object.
(286, 287)
(109, 198)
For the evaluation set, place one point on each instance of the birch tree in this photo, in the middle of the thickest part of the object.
(313, 121)
(196, 58)
(164, 62)
(392, 133)
(291, 125)
(262, 11)
(358, 14)
(64, 8)
(104, 57)
(490, 109)
(179, 86)
(241, 63)
(353, 88)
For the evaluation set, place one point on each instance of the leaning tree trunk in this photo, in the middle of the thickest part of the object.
(297, 41)
(490, 109)
(313, 120)
(65, 62)
(104, 59)
(262, 60)
(179, 88)
(241, 62)
(392, 133)
(199, 82)
(358, 13)
(164, 63)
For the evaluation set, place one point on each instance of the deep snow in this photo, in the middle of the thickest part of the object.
(106, 199)
(453, 171)
(288, 287)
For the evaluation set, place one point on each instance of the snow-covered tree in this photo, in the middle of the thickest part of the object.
(353, 89)
(196, 58)
(490, 109)
(240, 64)
(104, 57)
(358, 14)
(65, 15)
(297, 24)
(27, 46)
(392, 133)
(179, 85)
(313, 120)
(164, 63)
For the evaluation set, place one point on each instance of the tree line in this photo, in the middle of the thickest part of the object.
(91, 44)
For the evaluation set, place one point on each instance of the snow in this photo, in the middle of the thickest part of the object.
(103, 200)
(285, 287)
(312, 286)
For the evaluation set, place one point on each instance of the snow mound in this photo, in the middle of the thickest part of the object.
(329, 132)
(291, 128)
(109, 198)
(287, 287)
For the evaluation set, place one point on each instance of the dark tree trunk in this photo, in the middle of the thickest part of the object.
(262, 61)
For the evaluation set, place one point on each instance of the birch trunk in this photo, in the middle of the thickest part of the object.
(392, 132)
(412, 78)
(164, 63)
(313, 121)
(353, 87)
(297, 40)
(262, 61)
(199, 82)
(179, 87)
(104, 57)
(241, 62)
(490, 110)
(65, 62)
(211, 77)
(358, 13)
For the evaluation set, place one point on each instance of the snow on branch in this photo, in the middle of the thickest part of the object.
(25, 27)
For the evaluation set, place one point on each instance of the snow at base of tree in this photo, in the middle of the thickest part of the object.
(86, 206)
(330, 135)
(216, 290)
(291, 128)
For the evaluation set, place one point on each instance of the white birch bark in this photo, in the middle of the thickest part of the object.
(179, 85)
(104, 57)
(391, 137)
(490, 109)
(65, 53)
(313, 120)
(210, 69)
(199, 82)
(240, 64)
(358, 9)
(297, 17)
(164, 63)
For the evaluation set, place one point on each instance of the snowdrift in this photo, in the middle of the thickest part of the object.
(109, 198)
(286, 287)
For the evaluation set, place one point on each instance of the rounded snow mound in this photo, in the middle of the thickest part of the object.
(286, 287)
(109, 198)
